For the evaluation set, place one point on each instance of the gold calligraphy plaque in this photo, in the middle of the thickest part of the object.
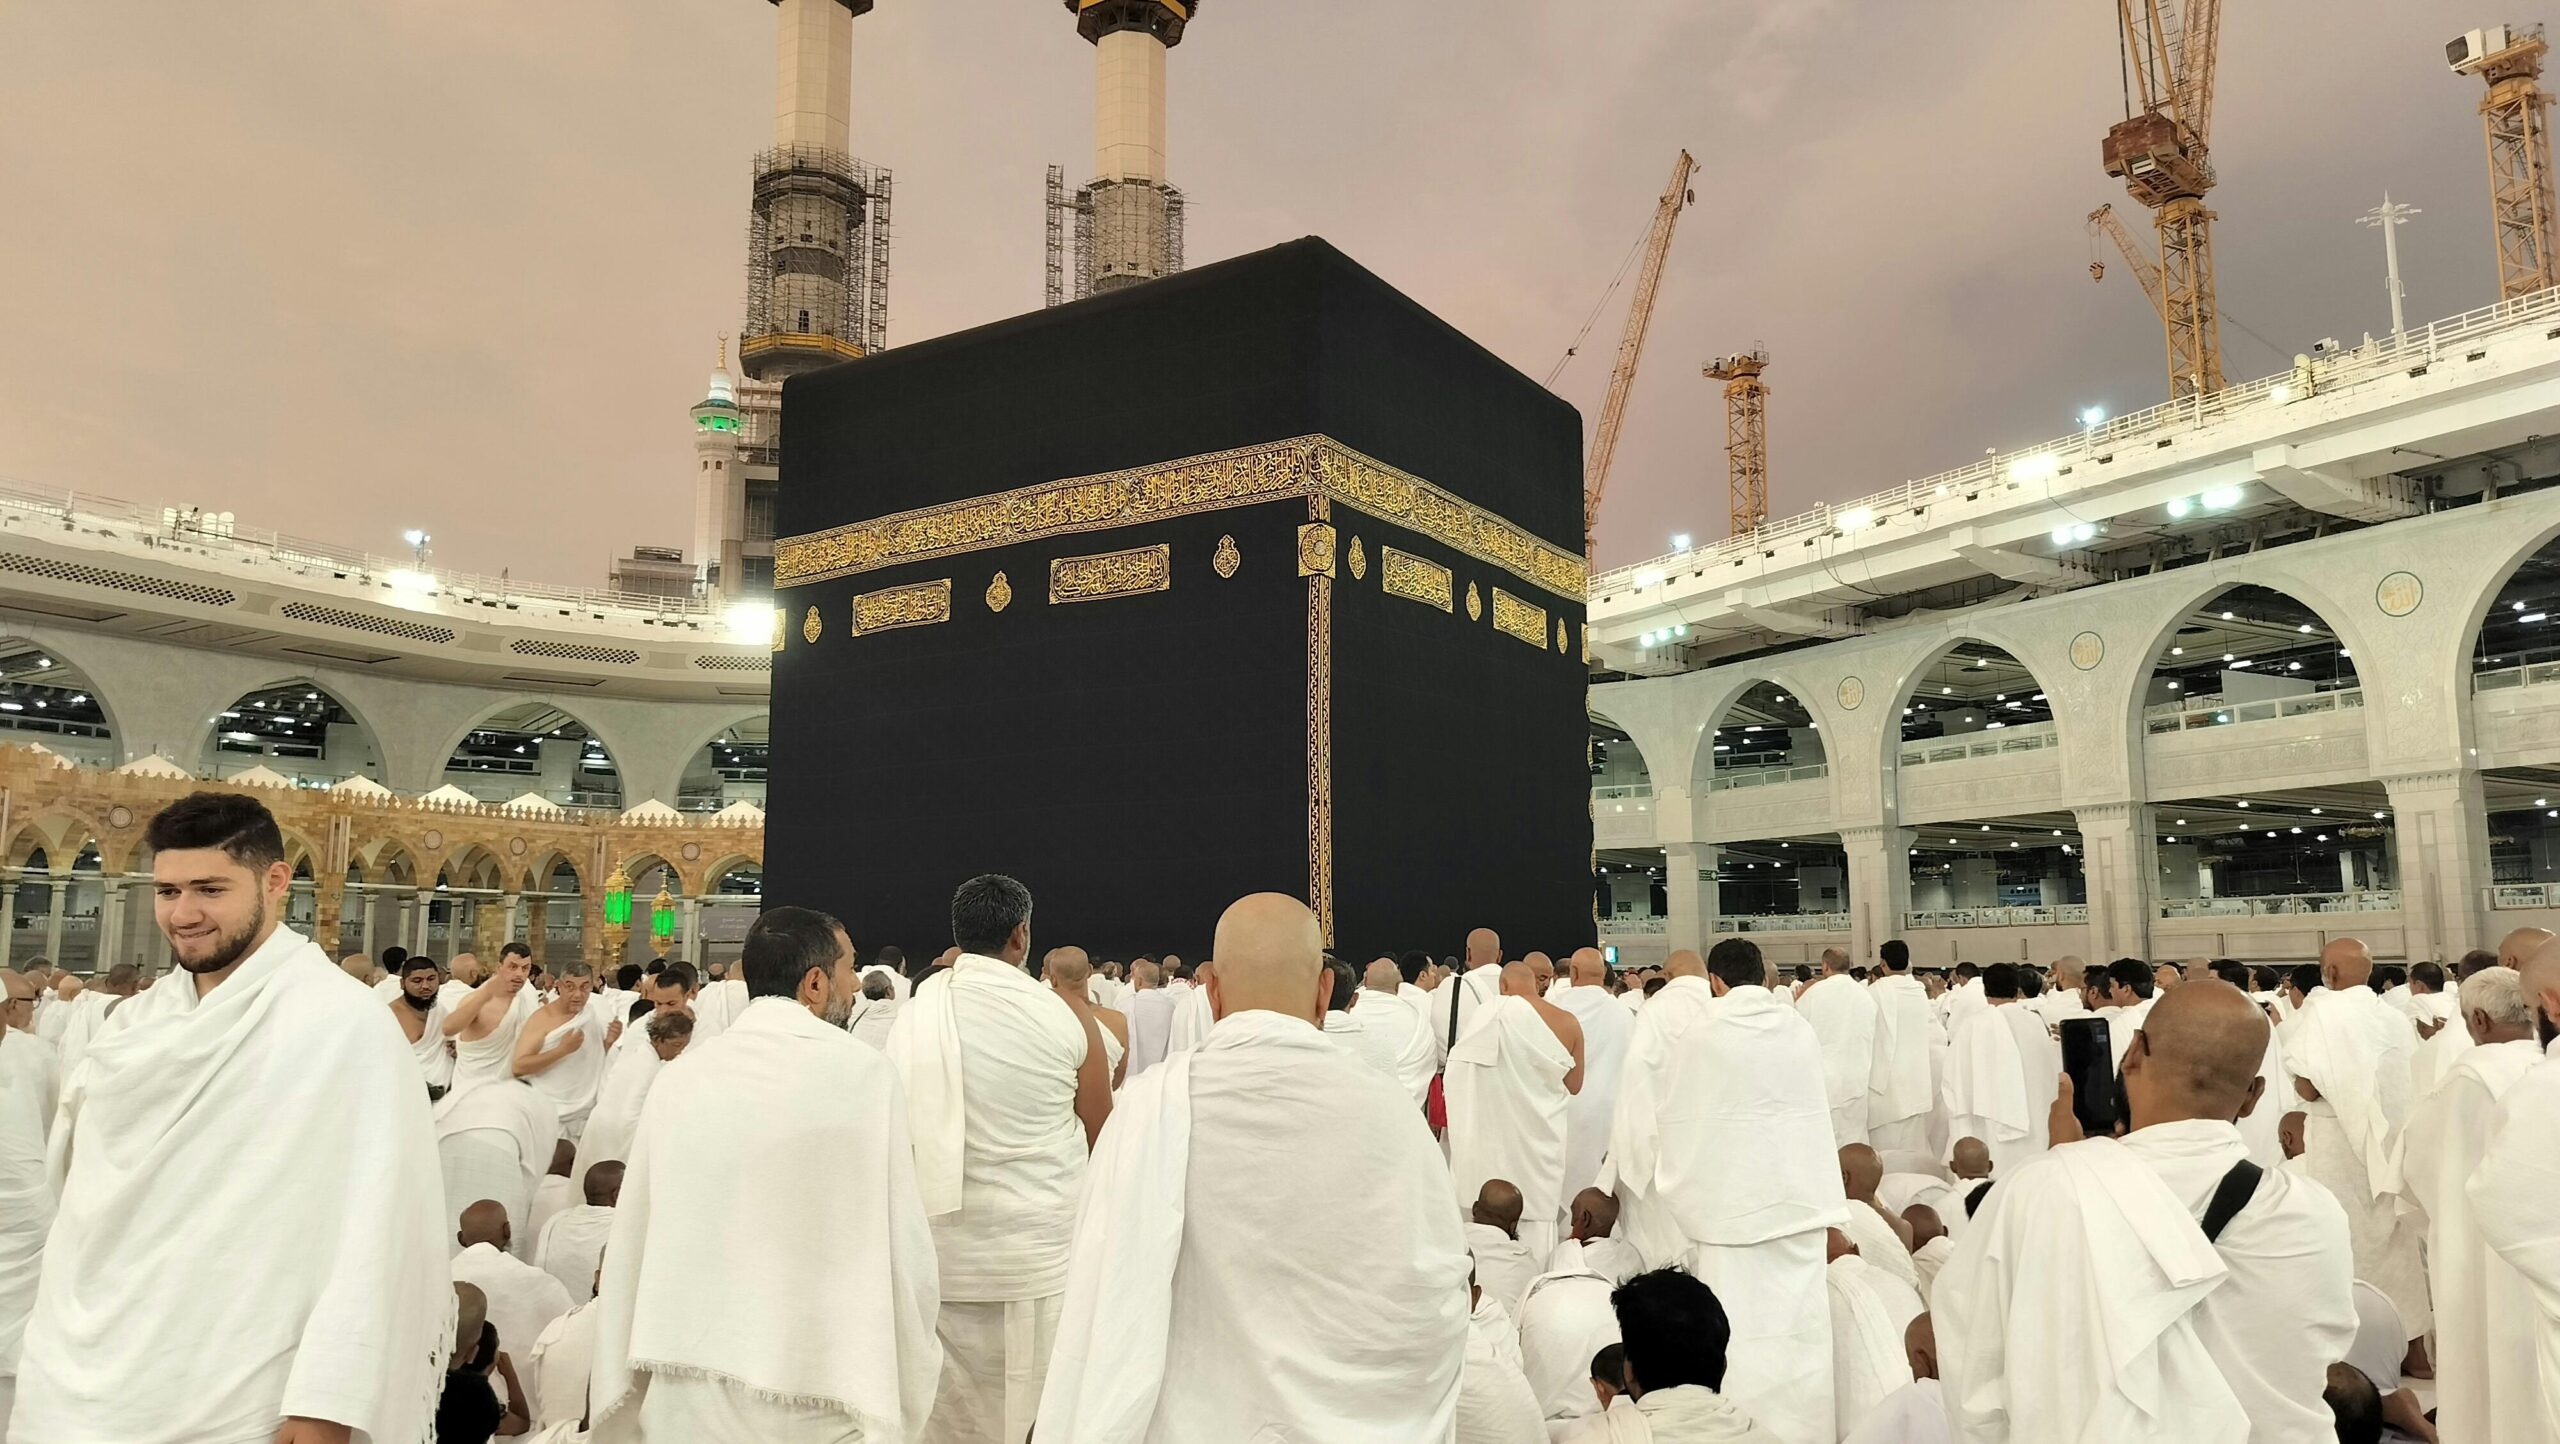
(1359, 561)
(1226, 558)
(1416, 579)
(916, 604)
(999, 594)
(1111, 574)
(1475, 604)
(1525, 620)
(1315, 549)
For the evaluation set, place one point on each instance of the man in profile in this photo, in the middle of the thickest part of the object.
(1193, 1314)
(770, 1274)
(247, 1244)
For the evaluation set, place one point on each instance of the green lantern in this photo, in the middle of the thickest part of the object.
(662, 917)
(617, 899)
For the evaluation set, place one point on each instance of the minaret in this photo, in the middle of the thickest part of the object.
(1129, 220)
(719, 487)
(818, 244)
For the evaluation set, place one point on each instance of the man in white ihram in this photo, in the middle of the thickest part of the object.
(247, 1248)
(1723, 1165)
(1195, 1313)
(1508, 1084)
(495, 1132)
(1903, 1087)
(2349, 1055)
(1453, 1010)
(1606, 1029)
(2160, 1288)
(1843, 1016)
(2002, 1069)
(30, 1086)
(2519, 1176)
(1006, 1088)
(562, 1045)
(2486, 1384)
(1387, 1006)
(770, 1275)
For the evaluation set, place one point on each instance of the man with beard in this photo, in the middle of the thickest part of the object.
(419, 1011)
(770, 1273)
(246, 1246)
(562, 1046)
(495, 1134)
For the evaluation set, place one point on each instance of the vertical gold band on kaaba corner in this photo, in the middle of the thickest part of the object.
(1319, 575)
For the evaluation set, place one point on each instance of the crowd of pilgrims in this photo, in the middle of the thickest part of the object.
(1263, 1196)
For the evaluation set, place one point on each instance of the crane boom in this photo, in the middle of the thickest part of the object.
(1613, 408)
(2145, 270)
(2162, 153)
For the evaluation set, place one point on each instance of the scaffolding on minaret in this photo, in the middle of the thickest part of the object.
(1127, 221)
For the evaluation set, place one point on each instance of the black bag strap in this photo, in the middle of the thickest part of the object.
(2230, 1196)
(1457, 981)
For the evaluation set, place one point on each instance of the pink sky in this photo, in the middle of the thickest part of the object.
(347, 268)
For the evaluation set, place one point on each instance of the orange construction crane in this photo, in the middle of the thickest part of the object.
(2519, 152)
(1613, 409)
(1746, 436)
(2162, 154)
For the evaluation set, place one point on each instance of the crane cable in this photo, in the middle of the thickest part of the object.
(1596, 307)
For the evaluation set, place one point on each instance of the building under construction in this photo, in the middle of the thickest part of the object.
(1126, 222)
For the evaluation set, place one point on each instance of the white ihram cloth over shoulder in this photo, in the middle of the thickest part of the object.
(1902, 1087)
(1475, 988)
(1565, 1318)
(1191, 1020)
(1843, 1016)
(435, 1065)
(1723, 1163)
(1150, 1027)
(570, 1084)
(1503, 1265)
(2354, 1048)
(523, 1300)
(298, 1269)
(1588, 1114)
(572, 1241)
(872, 1019)
(1914, 1414)
(1869, 1310)
(2068, 1312)
(1877, 1243)
(1351, 1033)
(1400, 1016)
(1495, 1402)
(769, 1244)
(30, 1088)
(1505, 1087)
(988, 1058)
(1192, 1317)
(2511, 1194)
(1987, 1094)
(2486, 1383)
(628, 1077)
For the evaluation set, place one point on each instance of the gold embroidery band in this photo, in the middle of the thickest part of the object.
(1525, 620)
(1417, 579)
(1320, 736)
(916, 604)
(1111, 574)
(1307, 466)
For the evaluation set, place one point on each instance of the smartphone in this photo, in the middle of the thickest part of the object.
(2089, 1062)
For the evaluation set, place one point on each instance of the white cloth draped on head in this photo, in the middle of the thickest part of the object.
(247, 1227)
(1505, 1088)
(1589, 1113)
(1565, 1319)
(2486, 1383)
(1869, 1310)
(1843, 1015)
(2067, 1312)
(1191, 1316)
(769, 1238)
(2511, 1194)
(1902, 1086)
(30, 1087)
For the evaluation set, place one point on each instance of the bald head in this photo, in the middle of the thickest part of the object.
(470, 1316)
(1925, 1225)
(1144, 974)
(2197, 1056)
(1587, 968)
(2521, 944)
(1684, 964)
(1834, 961)
(2345, 963)
(1484, 947)
(1270, 953)
(604, 1184)
(1920, 1346)
(66, 986)
(485, 1222)
(2070, 973)
(1067, 968)
(1594, 1214)
(1543, 968)
(1860, 1171)
(1383, 976)
(1498, 1205)
(1971, 1157)
(1519, 980)
(2539, 981)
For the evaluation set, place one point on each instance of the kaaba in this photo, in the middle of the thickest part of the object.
(1259, 577)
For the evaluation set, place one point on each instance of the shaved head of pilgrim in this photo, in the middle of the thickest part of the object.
(218, 877)
(2197, 1055)
(1270, 953)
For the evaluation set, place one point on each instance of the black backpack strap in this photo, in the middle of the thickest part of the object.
(2230, 1196)
(1456, 982)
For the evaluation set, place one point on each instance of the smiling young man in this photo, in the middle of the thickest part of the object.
(246, 1249)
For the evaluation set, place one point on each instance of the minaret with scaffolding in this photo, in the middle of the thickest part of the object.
(1128, 219)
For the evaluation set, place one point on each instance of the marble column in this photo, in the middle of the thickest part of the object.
(2440, 829)
(1879, 885)
(2121, 862)
(53, 917)
(537, 927)
(111, 905)
(1689, 891)
(8, 922)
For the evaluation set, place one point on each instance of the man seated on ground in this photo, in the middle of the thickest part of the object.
(1930, 1245)
(1564, 1319)
(522, 1299)
(1595, 1218)
(1674, 1334)
(1870, 1310)
(573, 1240)
(1917, 1412)
(1503, 1267)
(1495, 1404)
(1881, 1237)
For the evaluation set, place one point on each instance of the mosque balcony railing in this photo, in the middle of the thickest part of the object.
(2371, 900)
(1999, 917)
(2197, 712)
(1634, 927)
(2032, 472)
(2525, 895)
(1733, 777)
(217, 538)
(1620, 792)
(1993, 741)
(1782, 923)
(2536, 674)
